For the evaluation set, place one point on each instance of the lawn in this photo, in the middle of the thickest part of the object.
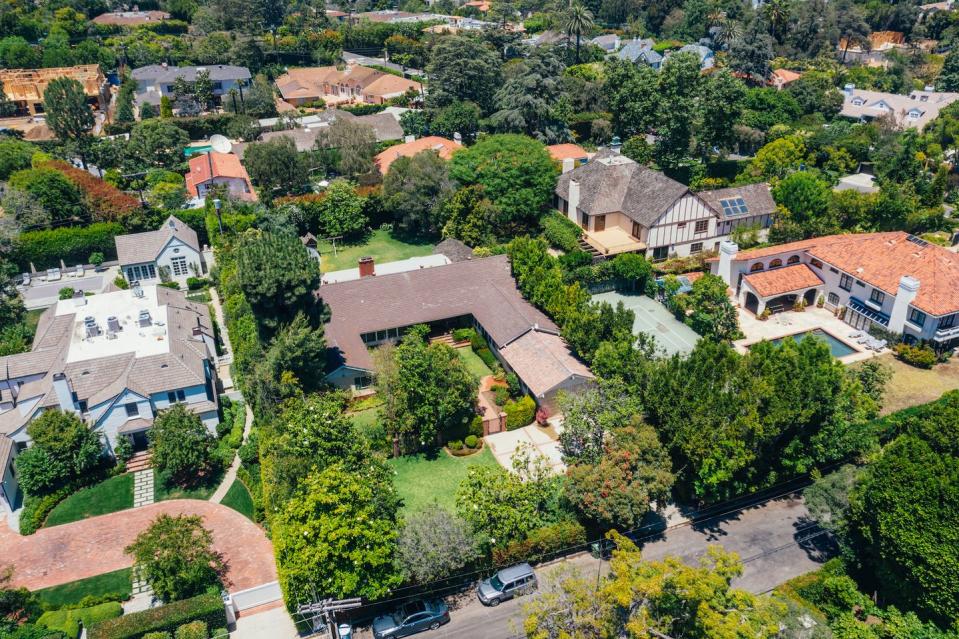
(33, 318)
(365, 418)
(473, 362)
(238, 498)
(381, 245)
(162, 490)
(910, 386)
(421, 481)
(109, 496)
(116, 582)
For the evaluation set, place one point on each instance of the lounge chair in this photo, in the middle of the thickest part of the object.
(881, 344)
(855, 334)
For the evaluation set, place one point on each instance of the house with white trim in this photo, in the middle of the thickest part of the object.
(114, 359)
(913, 111)
(172, 252)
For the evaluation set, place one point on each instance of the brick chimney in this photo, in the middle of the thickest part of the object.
(367, 268)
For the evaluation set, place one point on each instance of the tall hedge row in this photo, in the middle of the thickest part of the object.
(207, 608)
(73, 245)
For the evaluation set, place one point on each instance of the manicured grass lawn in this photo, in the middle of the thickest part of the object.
(238, 498)
(365, 418)
(910, 386)
(381, 245)
(33, 318)
(117, 582)
(473, 362)
(421, 481)
(163, 491)
(109, 496)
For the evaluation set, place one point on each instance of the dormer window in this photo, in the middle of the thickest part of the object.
(923, 98)
(858, 101)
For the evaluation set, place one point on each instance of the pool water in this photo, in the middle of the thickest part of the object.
(836, 347)
(193, 150)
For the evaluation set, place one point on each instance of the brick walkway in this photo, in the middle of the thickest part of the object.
(94, 546)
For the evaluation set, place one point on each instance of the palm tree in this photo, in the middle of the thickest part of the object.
(577, 20)
(727, 30)
(777, 12)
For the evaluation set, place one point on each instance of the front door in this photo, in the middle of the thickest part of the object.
(140, 441)
(584, 221)
(599, 223)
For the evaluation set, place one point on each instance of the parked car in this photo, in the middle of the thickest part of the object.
(507, 583)
(411, 618)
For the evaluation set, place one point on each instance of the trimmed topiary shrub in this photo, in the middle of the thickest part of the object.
(471, 441)
(455, 445)
(192, 630)
(157, 635)
(68, 621)
(476, 426)
(207, 608)
(519, 413)
(561, 232)
(71, 244)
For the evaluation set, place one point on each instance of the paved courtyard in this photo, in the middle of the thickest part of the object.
(653, 318)
(791, 322)
(542, 440)
(93, 546)
(41, 295)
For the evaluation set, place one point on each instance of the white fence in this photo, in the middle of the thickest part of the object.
(256, 596)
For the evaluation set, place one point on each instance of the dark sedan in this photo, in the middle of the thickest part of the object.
(410, 619)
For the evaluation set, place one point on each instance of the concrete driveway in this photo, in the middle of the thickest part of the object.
(503, 446)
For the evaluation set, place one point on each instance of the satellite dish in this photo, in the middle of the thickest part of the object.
(220, 143)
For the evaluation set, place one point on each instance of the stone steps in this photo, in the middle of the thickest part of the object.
(140, 461)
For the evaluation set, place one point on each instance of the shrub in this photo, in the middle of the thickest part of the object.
(488, 358)
(476, 426)
(192, 630)
(561, 232)
(107, 202)
(207, 608)
(463, 334)
(157, 635)
(174, 285)
(196, 283)
(249, 452)
(455, 445)
(68, 621)
(124, 448)
(363, 109)
(219, 633)
(66, 293)
(96, 258)
(471, 441)
(501, 395)
(73, 245)
(512, 382)
(918, 356)
(541, 543)
(121, 282)
(36, 509)
(519, 413)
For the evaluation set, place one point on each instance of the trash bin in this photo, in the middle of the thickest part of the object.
(345, 631)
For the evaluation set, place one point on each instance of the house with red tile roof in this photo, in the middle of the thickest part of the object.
(782, 78)
(355, 83)
(442, 146)
(220, 169)
(893, 280)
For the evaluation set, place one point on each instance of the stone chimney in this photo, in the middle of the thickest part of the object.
(367, 268)
(727, 253)
(61, 385)
(573, 202)
(908, 288)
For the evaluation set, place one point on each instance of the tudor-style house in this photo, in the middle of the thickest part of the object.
(625, 207)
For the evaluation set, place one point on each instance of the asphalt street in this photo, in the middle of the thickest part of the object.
(776, 541)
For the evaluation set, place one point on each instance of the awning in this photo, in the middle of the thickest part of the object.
(135, 426)
(867, 312)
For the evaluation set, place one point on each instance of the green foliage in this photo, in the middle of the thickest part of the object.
(15, 155)
(68, 114)
(55, 193)
(415, 190)
(519, 413)
(462, 69)
(471, 441)
(706, 308)
(470, 216)
(181, 446)
(434, 544)
(83, 593)
(68, 620)
(66, 293)
(516, 172)
(207, 608)
(541, 543)
(73, 245)
(192, 630)
(340, 212)
(916, 355)
(560, 231)
(277, 167)
(157, 143)
(176, 557)
(64, 450)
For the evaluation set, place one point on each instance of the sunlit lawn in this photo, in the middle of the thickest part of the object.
(381, 245)
(109, 496)
(473, 362)
(911, 386)
(421, 481)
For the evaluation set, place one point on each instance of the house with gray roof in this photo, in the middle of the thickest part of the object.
(640, 51)
(114, 359)
(625, 207)
(707, 59)
(608, 42)
(156, 80)
(172, 252)
(478, 293)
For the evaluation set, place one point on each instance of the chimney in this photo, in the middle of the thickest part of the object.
(367, 268)
(908, 288)
(727, 253)
(615, 144)
(61, 385)
(171, 223)
(573, 202)
(848, 89)
(568, 164)
(409, 138)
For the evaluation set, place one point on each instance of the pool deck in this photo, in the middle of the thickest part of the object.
(792, 322)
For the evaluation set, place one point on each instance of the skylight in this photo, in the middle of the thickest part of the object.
(733, 207)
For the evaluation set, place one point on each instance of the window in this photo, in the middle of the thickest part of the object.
(917, 317)
(133, 409)
(681, 225)
(696, 247)
(793, 259)
(877, 296)
(176, 396)
(178, 264)
(845, 282)
(948, 321)
(701, 226)
(860, 283)
(776, 263)
(758, 266)
(362, 382)
(833, 270)
(858, 101)
(734, 206)
(82, 405)
(660, 252)
(816, 263)
(832, 299)
(142, 272)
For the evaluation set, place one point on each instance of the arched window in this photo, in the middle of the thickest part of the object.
(758, 266)
(793, 259)
(776, 263)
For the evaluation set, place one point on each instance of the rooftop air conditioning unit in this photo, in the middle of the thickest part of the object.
(137, 289)
(90, 326)
(144, 318)
(113, 324)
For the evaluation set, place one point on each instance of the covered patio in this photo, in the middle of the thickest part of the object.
(780, 289)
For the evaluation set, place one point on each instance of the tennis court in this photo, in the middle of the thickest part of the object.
(670, 334)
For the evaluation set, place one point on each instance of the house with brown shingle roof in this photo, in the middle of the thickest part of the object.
(625, 207)
(114, 359)
(893, 280)
(354, 83)
(479, 293)
(173, 250)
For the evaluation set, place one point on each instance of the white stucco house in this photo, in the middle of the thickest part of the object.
(114, 359)
(625, 207)
(171, 251)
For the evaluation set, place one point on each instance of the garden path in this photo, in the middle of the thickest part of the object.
(230, 475)
(94, 546)
(143, 488)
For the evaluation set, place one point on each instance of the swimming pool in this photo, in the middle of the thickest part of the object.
(193, 150)
(837, 347)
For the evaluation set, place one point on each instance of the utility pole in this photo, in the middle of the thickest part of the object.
(326, 609)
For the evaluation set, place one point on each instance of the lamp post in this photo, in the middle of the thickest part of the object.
(218, 205)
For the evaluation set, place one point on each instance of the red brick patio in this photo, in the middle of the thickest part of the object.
(90, 547)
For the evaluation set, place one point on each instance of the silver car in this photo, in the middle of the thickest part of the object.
(507, 583)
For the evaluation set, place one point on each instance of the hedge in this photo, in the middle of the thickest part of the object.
(561, 232)
(542, 543)
(520, 413)
(68, 621)
(72, 244)
(207, 608)
(202, 127)
(107, 202)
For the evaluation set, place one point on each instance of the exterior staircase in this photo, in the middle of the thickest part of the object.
(139, 461)
(445, 338)
(589, 248)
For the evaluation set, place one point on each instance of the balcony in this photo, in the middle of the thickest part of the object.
(946, 334)
(613, 241)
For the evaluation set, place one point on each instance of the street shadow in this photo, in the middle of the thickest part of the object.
(820, 545)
